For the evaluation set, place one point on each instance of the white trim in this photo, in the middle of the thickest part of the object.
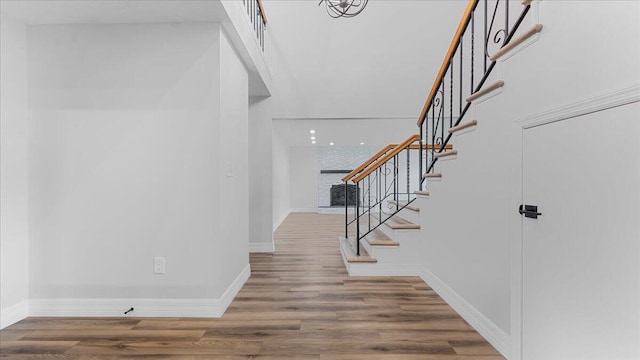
(602, 102)
(305, 210)
(262, 247)
(209, 308)
(14, 313)
(234, 289)
(487, 328)
(279, 222)
(384, 269)
(116, 307)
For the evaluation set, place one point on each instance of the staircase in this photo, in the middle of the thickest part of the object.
(383, 235)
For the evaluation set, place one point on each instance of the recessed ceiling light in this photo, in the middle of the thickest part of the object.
(331, 144)
(312, 131)
(313, 142)
(361, 143)
(313, 138)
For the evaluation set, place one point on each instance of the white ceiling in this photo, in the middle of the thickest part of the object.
(112, 11)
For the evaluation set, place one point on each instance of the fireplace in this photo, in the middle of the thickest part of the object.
(338, 195)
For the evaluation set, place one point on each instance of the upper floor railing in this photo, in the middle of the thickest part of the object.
(258, 18)
(486, 26)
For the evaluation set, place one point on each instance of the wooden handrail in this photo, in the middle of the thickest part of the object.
(411, 139)
(387, 148)
(429, 147)
(445, 63)
(368, 162)
(264, 14)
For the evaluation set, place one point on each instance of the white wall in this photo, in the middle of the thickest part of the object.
(378, 64)
(125, 160)
(14, 181)
(233, 236)
(303, 178)
(281, 182)
(260, 175)
(471, 216)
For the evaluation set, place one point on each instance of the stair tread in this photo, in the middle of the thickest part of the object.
(446, 153)
(431, 175)
(398, 223)
(379, 238)
(403, 203)
(348, 246)
(423, 193)
(463, 126)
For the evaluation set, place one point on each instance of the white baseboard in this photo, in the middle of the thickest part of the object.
(262, 247)
(384, 269)
(278, 222)
(305, 210)
(487, 328)
(209, 308)
(233, 290)
(14, 313)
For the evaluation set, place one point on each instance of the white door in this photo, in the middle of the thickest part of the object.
(581, 257)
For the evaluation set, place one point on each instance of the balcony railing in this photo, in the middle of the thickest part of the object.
(258, 18)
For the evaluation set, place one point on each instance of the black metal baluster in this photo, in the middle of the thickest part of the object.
(369, 200)
(408, 171)
(420, 157)
(346, 210)
(486, 36)
(506, 22)
(451, 69)
(433, 138)
(442, 113)
(380, 169)
(460, 91)
(358, 219)
(473, 45)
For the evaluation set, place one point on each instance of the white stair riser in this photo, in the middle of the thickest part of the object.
(410, 215)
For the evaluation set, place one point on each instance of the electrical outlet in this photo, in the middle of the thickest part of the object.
(228, 170)
(159, 265)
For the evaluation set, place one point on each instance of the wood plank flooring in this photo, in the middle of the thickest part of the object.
(298, 304)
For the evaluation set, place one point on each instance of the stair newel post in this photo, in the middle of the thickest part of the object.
(358, 218)
(346, 210)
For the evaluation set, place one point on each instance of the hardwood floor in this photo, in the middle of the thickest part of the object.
(298, 304)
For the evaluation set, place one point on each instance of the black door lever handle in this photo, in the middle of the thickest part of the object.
(529, 211)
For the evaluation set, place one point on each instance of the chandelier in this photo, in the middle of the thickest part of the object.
(344, 8)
